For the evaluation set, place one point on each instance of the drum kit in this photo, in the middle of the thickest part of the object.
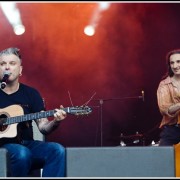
(132, 140)
(136, 140)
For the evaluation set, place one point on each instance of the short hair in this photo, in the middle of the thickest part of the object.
(11, 50)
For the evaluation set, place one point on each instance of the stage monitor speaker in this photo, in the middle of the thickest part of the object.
(145, 161)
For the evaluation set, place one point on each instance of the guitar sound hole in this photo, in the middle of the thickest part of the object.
(2, 120)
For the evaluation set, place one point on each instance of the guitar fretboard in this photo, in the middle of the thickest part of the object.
(44, 114)
(28, 117)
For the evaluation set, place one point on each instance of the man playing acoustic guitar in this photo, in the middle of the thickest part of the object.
(17, 99)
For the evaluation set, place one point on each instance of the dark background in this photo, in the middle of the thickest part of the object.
(125, 56)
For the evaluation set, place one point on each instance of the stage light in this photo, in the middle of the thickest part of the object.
(104, 6)
(19, 29)
(89, 30)
(91, 27)
(13, 15)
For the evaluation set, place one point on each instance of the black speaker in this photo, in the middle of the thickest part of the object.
(145, 161)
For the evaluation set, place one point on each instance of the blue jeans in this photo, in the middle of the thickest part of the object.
(21, 156)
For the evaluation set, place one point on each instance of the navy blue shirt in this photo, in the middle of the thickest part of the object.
(30, 100)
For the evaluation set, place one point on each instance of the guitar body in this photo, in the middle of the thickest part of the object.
(10, 131)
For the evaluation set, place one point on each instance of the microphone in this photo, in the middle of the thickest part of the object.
(4, 80)
(142, 92)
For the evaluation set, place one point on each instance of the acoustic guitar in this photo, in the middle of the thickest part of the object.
(14, 114)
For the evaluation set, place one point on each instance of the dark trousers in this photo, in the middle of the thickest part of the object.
(170, 135)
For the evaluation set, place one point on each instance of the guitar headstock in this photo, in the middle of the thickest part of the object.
(79, 110)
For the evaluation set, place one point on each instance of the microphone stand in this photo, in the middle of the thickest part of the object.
(101, 102)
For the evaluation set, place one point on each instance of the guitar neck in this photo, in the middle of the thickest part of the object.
(32, 116)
